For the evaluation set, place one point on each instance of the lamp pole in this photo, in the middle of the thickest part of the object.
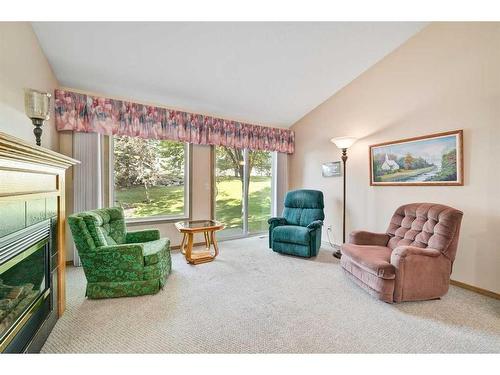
(343, 143)
(338, 254)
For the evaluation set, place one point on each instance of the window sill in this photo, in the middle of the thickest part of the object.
(154, 220)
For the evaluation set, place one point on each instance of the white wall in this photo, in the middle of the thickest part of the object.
(446, 77)
(23, 65)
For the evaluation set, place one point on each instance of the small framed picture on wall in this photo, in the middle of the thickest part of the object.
(331, 169)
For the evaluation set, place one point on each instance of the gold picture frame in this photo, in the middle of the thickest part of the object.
(429, 160)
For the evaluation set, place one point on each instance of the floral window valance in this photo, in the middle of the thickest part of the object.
(91, 114)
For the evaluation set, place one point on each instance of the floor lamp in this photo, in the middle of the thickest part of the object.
(343, 143)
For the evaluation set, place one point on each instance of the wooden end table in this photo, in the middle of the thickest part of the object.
(188, 228)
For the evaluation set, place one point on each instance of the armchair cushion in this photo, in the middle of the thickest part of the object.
(426, 225)
(373, 259)
(81, 235)
(302, 207)
(302, 216)
(106, 225)
(154, 250)
(291, 234)
(142, 236)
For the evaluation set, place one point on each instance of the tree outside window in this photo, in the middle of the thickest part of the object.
(149, 176)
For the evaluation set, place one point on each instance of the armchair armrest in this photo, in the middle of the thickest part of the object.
(315, 225)
(401, 252)
(361, 237)
(275, 221)
(145, 235)
(126, 250)
(420, 273)
(114, 263)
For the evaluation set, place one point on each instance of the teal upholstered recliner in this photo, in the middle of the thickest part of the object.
(298, 232)
(118, 263)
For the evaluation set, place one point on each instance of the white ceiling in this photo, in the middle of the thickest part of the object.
(267, 73)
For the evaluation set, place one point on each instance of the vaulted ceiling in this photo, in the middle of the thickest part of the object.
(265, 73)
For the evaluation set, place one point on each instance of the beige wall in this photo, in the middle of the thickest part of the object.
(23, 65)
(446, 77)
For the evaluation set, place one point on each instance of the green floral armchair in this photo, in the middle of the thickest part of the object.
(118, 263)
(298, 232)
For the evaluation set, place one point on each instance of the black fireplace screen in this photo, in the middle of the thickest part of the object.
(22, 280)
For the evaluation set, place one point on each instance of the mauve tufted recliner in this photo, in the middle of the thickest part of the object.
(412, 261)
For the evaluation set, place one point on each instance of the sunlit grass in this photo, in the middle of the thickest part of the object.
(169, 201)
(165, 201)
(229, 206)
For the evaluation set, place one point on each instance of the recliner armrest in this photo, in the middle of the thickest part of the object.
(421, 273)
(406, 251)
(361, 237)
(277, 221)
(315, 225)
(273, 223)
(145, 235)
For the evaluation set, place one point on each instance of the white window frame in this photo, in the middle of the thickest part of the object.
(188, 151)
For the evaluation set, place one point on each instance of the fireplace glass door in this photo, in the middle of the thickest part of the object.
(23, 279)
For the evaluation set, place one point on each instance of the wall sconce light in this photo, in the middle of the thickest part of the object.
(37, 108)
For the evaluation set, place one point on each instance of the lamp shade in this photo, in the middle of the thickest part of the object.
(37, 104)
(343, 142)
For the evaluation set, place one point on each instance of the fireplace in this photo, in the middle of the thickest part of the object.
(26, 287)
(32, 243)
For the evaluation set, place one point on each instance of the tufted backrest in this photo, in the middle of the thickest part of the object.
(302, 207)
(81, 235)
(96, 228)
(426, 225)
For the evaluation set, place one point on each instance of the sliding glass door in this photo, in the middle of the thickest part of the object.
(260, 188)
(229, 184)
(243, 190)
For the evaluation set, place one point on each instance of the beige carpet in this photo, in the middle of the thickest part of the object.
(252, 300)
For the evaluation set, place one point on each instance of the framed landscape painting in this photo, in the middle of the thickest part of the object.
(435, 159)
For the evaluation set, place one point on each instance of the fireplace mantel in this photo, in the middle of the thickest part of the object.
(32, 185)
